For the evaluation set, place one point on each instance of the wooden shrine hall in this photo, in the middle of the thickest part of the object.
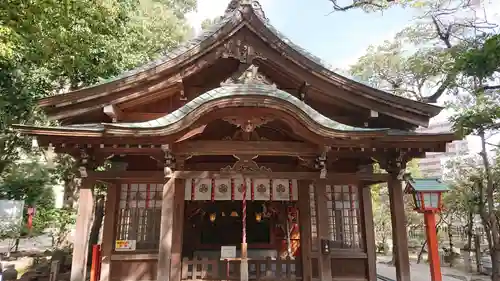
(237, 156)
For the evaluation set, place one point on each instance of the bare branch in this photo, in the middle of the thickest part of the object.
(494, 87)
(357, 4)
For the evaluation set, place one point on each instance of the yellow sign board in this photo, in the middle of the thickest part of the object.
(125, 245)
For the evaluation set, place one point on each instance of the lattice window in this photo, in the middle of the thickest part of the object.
(314, 225)
(139, 215)
(344, 216)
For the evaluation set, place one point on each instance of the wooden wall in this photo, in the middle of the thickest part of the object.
(133, 270)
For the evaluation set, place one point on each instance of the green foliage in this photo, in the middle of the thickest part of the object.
(61, 222)
(32, 183)
(483, 61)
(206, 23)
(476, 114)
(49, 46)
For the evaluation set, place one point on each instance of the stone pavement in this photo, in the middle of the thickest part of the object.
(420, 272)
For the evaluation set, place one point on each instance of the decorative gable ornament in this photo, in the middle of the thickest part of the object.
(248, 75)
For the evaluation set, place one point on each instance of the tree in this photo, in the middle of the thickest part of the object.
(50, 46)
(206, 23)
(380, 5)
(419, 62)
(478, 113)
(31, 183)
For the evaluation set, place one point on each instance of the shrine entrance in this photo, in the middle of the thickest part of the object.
(228, 225)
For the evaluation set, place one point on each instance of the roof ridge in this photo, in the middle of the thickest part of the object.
(235, 5)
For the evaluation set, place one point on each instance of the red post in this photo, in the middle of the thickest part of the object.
(96, 263)
(432, 246)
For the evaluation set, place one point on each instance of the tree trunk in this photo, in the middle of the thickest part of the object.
(419, 258)
(495, 265)
(468, 246)
(393, 259)
(489, 218)
(470, 228)
(450, 242)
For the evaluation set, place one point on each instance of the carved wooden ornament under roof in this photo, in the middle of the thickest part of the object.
(248, 124)
(248, 74)
(245, 163)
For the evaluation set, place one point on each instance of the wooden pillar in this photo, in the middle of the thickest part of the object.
(399, 234)
(177, 230)
(108, 233)
(82, 231)
(325, 264)
(368, 230)
(305, 229)
(166, 229)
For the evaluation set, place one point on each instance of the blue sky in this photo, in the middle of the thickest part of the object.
(338, 38)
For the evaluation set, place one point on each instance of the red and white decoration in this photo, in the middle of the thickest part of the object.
(232, 189)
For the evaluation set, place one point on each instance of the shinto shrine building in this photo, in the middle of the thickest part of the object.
(238, 156)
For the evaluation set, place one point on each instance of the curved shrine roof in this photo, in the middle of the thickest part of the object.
(239, 13)
(257, 96)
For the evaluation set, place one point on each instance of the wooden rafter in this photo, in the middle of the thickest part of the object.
(158, 176)
(245, 147)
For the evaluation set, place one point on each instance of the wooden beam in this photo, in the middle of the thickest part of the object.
(113, 112)
(142, 116)
(177, 232)
(368, 230)
(325, 263)
(82, 231)
(166, 229)
(305, 229)
(270, 148)
(158, 176)
(399, 234)
(108, 233)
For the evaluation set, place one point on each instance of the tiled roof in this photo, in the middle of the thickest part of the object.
(169, 55)
(231, 91)
(265, 91)
(428, 184)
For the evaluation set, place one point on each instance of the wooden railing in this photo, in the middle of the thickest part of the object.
(267, 269)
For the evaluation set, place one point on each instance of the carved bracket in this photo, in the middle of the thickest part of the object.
(169, 165)
(84, 163)
(395, 164)
(321, 163)
(303, 90)
(240, 50)
(248, 74)
(245, 163)
(246, 124)
(309, 162)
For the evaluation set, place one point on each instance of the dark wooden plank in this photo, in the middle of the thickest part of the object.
(323, 232)
(157, 176)
(108, 233)
(177, 231)
(399, 234)
(276, 148)
(82, 229)
(167, 218)
(368, 231)
(305, 229)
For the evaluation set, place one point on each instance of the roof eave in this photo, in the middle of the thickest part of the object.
(424, 109)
